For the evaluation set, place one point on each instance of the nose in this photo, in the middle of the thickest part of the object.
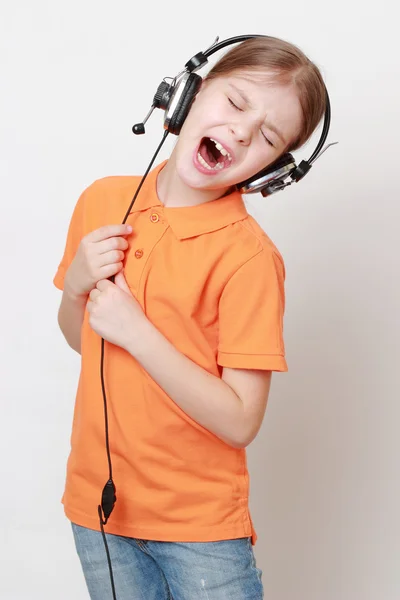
(245, 126)
(241, 132)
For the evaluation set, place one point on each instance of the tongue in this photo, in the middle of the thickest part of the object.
(207, 154)
(210, 153)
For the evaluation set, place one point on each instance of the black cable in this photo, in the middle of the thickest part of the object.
(108, 497)
(103, 389)
(108, 556)
(145, 175)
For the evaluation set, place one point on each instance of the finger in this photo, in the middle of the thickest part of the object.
(120, 281)
(94, 294)
(111, 257)
(108, 231)
(113, 243)
(109, 270)
(103, 284)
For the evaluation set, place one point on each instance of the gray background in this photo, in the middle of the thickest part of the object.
(325, 490)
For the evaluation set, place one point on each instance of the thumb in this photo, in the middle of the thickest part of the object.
(120, 281)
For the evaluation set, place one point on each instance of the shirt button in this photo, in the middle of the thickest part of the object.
(154, 218)
(139, 253)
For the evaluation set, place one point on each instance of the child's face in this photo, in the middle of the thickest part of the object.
(251, 116)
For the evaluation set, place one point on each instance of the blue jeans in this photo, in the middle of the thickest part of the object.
(148, 570)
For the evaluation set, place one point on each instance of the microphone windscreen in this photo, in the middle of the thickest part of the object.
(138, 129)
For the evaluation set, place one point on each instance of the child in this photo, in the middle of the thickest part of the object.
(193, 327)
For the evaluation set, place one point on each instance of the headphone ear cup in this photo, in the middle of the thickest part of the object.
(190, 90)
(279, 169)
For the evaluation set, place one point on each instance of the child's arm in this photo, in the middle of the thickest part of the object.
(70, 317)
(232, 407)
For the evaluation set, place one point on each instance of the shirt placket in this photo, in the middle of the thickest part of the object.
(148, 228)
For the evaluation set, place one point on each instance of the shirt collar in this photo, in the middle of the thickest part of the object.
(191, 221)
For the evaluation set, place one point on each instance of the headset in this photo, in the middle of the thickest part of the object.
(175, 96)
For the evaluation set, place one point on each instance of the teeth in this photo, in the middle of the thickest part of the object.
(221, 149)
(201, 160)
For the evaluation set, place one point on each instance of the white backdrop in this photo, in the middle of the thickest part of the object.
(325, 490)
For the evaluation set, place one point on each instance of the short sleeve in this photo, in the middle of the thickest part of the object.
(251, 312)
(74, 236)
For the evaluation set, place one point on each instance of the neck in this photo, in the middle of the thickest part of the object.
(173, 192)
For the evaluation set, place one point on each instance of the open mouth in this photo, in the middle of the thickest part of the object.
(212, 155)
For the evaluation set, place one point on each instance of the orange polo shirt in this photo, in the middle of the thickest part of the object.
(212, 282)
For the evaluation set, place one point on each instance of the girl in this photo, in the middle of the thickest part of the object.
(193, 327)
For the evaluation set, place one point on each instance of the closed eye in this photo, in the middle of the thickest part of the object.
(266, 139)
(234, 105)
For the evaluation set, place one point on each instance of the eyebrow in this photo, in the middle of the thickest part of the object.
(270, 125)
